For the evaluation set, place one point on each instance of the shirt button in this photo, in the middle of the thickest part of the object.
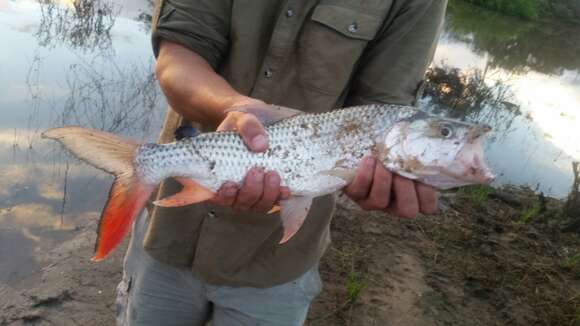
(289, 13)
(353, 28)
(268, 73)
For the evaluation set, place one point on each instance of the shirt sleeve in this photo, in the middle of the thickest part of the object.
(393, 66)
(200, 25)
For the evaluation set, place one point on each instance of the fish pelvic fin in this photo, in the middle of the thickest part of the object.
(128, 193)
(192, 193)
(293, 212)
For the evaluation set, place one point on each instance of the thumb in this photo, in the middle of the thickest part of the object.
(252, 132)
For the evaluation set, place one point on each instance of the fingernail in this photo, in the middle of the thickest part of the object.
(259, 142)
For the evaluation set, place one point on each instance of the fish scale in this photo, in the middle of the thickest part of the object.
(299, 148)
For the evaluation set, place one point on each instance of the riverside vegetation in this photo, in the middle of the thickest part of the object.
(534, 9)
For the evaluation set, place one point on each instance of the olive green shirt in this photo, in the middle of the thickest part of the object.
(313, 55)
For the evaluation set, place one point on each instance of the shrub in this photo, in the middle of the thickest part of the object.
(522, 8)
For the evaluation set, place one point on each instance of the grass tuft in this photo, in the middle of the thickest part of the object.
(477, 194)
(354, 286)
(529, 213)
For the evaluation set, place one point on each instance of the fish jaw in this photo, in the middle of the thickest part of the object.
(474, 168)
(468, 168)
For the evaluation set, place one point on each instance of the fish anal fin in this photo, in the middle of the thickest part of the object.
(267, 114)
(293, 212)
(192, 193)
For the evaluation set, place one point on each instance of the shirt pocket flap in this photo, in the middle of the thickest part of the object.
(349, 22)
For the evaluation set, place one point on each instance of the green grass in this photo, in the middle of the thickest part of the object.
(477, 194)
(354, 286)
(529, 213)
(571, 262)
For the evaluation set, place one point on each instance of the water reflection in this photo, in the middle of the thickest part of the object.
(69, 62)
(145, 15)
(467, 94)
(80, 24)
(533, 142)
(118, 100)
(514, 44)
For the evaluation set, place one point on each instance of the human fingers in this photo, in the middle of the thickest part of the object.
(380, 193)
(251, 190)
(406, 204)
(270, 194)
(252, 132)
(428, 198)
(359, 188)
(284, 193)
(226, 195)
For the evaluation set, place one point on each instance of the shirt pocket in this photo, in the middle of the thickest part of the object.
(331, 42)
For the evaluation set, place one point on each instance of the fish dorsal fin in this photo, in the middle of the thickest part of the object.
(192, 193)
(268, 114)
(293, 212)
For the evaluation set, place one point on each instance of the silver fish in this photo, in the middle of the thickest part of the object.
(314, 154)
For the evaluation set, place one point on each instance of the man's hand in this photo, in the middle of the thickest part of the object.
(375, 188)
(260, 190)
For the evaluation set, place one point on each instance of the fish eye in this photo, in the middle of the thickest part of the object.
(446, 131)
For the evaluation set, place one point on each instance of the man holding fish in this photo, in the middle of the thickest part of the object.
(230, 65)
(222, 260)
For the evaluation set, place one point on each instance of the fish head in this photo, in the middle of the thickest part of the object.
(441, 152)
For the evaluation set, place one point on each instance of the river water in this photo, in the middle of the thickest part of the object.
(89, 63)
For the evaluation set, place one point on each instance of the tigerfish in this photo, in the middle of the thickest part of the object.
(314, 154)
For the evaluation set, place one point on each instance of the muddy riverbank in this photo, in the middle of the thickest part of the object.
(497, 255)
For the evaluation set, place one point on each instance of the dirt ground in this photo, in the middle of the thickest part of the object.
(488, 258)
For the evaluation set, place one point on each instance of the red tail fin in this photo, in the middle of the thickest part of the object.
(128, 194)
(127, 198)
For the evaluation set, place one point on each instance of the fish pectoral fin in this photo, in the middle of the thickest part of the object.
(267, 114)
(293, 212)
(192, 193)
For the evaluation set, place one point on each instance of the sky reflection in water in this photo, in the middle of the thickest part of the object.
(541, 65)
(90, 71)
(98, 73)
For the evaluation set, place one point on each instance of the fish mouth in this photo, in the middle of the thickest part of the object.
(470, 157)
(469, 167)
